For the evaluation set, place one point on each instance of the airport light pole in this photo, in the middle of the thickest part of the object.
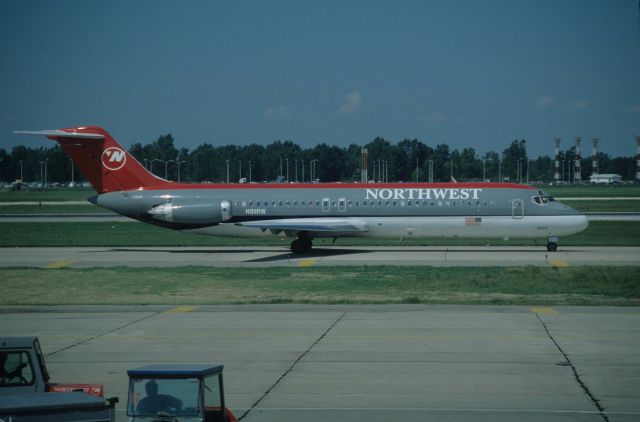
(373, 175)
(21, 178)
(287, 166)
(430, 171)
(302, 167)
(72, 178)
(312, 170)
(249, 171)
(41, 175)
(296, 167)
(484, 169)
(499, 170)
(178, 163)
(417, 170)
(239, 171)
(166, 162)
(227, 171)
(46, 160)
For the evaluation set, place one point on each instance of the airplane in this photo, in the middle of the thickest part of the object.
(308, 211)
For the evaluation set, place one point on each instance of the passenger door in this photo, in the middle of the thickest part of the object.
(517, 208)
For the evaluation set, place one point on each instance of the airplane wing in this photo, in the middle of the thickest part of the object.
(315, 225)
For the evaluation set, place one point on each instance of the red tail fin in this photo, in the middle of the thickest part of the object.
(102, 161)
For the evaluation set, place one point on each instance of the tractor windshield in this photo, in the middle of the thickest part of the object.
(170, 396)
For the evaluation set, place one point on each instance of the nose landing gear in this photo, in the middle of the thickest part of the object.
(552, 243)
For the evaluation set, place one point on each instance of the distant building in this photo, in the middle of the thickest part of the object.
(605, 179)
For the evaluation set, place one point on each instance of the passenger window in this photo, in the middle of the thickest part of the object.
(288, 203)
(409, 203)
(250, 203)
(295, 203)
(257, 203)
(280, 203)
(244, 203)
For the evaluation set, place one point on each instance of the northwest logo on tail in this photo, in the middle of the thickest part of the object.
(113, 158)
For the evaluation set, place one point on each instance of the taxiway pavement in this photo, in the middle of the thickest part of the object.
(269, 256)
(362, 362)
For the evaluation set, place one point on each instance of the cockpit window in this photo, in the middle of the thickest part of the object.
(544, 197)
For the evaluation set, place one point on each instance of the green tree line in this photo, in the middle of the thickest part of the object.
(407, 160)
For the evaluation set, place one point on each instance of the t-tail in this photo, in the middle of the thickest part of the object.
(102, 161)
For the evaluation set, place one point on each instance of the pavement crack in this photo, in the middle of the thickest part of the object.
(128, 324)
(577, 376)
(293, 365)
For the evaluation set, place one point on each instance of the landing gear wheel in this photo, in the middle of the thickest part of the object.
(299, 246)
(552, 246)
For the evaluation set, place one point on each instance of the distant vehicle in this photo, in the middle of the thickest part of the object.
(169, 392)
(307, 211)
(22, 370)
(27, 395)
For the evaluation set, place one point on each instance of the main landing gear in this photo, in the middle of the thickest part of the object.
(552, 244)
(302, 244)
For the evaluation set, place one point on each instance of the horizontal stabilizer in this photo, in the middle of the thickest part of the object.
(60, 134)
(309, 224)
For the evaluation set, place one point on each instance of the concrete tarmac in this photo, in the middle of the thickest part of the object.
(269, 256)
(363, 363)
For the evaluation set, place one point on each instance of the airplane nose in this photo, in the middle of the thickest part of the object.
(583, 222)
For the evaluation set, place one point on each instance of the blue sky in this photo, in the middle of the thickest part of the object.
(468, 73)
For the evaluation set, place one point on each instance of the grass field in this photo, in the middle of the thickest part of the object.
(593, 191)
(78, 194)
(327, 285)
(599, 233)
(53, 209)
(604, 205)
